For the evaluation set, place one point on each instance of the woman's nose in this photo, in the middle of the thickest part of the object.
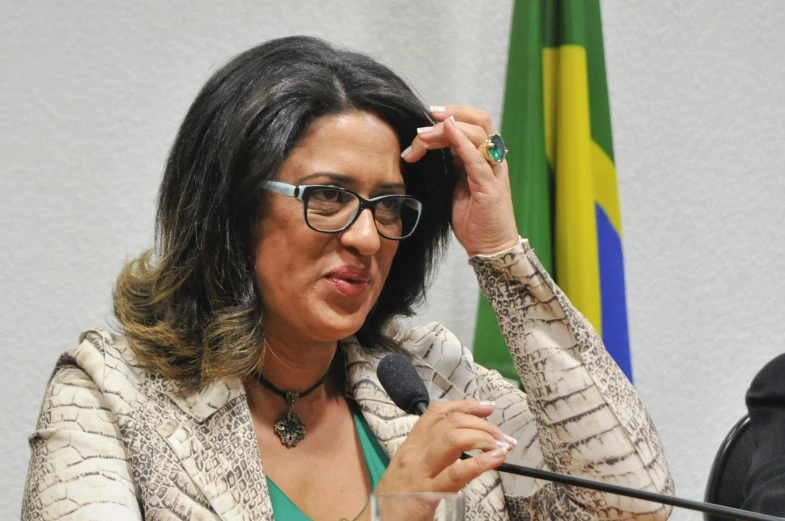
(362, 235)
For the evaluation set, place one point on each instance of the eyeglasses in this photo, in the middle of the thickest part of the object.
(332, 209)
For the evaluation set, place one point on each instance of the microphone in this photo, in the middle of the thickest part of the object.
(404, 386)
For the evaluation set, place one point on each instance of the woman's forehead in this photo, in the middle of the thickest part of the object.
(356, 145)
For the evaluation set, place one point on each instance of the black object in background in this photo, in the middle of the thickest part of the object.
(730, 469)
(764, 487)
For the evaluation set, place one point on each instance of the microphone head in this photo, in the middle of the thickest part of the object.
(402, 383)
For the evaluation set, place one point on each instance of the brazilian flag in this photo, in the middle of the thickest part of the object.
(556, 123)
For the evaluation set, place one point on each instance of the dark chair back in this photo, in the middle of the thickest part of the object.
(730, 468)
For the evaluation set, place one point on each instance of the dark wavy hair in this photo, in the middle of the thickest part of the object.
(189, 307)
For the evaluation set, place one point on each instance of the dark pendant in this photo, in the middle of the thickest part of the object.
(289, 426)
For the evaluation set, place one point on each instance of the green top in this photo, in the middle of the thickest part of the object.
(375, 461)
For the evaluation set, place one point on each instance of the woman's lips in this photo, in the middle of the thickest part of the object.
(349, 288)
(350, 281)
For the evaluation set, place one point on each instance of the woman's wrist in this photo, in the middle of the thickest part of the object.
(493, 251)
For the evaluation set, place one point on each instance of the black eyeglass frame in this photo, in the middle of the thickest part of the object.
(303, 193)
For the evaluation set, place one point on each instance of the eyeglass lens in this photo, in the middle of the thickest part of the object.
(331, 210)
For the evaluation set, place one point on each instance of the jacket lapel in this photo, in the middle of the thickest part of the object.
(389, 424)
(216, 445)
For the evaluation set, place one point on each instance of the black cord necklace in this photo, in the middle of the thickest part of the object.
(289, 426)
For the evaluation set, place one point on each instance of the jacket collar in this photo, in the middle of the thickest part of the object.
(202, 404)
(198, 405)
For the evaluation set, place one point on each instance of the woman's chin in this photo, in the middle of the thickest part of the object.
(336, 325)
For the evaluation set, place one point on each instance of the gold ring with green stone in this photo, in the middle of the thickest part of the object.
(493, 149)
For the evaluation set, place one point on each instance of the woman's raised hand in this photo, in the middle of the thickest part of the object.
(482, 215)
(429, 459)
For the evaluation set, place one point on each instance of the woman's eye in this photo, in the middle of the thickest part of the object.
(390, 204)
(335, 196)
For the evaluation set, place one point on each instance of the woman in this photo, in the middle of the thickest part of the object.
(244, 382)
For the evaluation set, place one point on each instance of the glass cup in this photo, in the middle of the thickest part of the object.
(417, 506)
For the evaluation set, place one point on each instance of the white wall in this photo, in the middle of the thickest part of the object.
(697, 106)
(92, 94)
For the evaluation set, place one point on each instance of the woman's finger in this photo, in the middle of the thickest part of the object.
(478, 171)
(457, 475)
(448, 446)
(479, 409)
(435, 135)
(461, 414)
(454, 427)
(465, 431)
(471, 115)
(433, 138)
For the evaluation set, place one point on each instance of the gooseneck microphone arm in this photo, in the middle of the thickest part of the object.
(700, 506)
(404, 386)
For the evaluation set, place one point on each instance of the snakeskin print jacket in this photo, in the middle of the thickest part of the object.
(114, 442)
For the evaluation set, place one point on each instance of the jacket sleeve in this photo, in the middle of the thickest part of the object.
(764, 489)
(78, 464)
(580, 415)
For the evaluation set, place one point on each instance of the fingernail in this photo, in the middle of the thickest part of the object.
(512, 441)
(407, 151)
(454, 124)
(486, 402)
(499, 453)
(424, 130)
(504, 445)
(437, 108)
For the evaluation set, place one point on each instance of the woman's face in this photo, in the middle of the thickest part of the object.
(319, 286)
